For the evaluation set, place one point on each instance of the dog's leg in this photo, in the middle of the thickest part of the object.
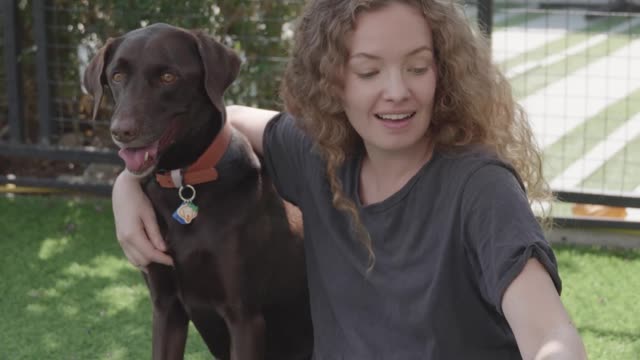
(170, 320)
(247, 335)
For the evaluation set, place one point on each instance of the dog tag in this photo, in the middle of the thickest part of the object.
(187, 211)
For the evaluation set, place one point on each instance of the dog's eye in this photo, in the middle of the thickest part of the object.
(117, 77)
(168, 78)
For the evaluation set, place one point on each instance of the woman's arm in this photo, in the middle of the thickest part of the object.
(136, 225)
(251, 122)
(538, 319)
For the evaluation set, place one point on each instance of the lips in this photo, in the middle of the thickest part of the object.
(395, 116)
(396, 120)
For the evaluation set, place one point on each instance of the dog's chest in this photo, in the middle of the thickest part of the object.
(206, 247)
(218, 213)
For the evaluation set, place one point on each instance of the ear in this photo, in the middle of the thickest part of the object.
(94, 79)
(221, 67)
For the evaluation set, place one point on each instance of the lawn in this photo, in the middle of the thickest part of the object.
(68, 292)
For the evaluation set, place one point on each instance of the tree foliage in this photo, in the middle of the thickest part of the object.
(253, 27)
(77, 29)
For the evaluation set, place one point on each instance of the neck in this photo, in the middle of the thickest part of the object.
(191, 146)
(204, 169)
(383, 173)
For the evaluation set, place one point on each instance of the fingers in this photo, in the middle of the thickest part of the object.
(142, 268)
(152, 254)
(135, 258)
(154, 248)
(136, 226)
(137, 246)
(153, 230)
(144, 254)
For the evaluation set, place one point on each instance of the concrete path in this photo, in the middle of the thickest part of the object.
(565, 104)
(510, 42)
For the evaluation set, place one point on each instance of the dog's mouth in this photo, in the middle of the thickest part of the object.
(140, 160)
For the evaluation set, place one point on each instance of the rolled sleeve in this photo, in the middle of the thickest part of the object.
(501, 232)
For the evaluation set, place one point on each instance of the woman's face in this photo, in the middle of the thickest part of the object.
(390, 78)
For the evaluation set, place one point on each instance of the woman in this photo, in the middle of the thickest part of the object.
(412, 170)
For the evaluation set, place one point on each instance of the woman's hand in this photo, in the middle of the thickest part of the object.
(136, 225)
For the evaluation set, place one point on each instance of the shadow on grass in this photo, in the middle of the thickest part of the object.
(67, 289)
(622, 335)
(572, 257)
(600, 251)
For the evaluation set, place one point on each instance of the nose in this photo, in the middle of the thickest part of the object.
(396, 88)
(124, 131)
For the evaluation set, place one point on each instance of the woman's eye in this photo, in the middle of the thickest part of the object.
(367, 75)
(168, 78)
(118, 77)
(419, 70)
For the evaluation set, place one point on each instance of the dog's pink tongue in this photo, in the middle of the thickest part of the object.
(138, 159)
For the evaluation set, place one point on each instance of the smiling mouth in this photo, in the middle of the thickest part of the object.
(140, 160)
(395, 117)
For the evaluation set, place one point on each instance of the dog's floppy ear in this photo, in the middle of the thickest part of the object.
(94, 79)
(221, 67)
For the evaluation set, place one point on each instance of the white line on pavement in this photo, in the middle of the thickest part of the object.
(582, 168)
(591, 41)
(515, 40)
(560, 107)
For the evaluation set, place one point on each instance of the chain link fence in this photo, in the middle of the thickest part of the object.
(571, 64)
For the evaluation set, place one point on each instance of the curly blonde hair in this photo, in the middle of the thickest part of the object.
(473, 103)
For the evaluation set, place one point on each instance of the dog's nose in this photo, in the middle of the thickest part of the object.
(123, 133)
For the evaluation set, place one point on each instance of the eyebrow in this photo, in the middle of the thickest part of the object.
(374, 57)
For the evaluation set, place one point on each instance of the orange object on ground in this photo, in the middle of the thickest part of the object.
(592, 210)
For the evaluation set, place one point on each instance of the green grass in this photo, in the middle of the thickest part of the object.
(68, 292)
(601, 294)
(538, 78)
(584, 137)
(571, 38)
(621, 172)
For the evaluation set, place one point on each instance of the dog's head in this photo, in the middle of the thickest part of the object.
(167, 84)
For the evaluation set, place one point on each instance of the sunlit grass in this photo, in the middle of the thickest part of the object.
(601, 292)
(68, 292)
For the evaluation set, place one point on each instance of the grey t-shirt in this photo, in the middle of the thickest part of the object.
(447, 245)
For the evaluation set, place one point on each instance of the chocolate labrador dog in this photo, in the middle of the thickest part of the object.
(239, 272)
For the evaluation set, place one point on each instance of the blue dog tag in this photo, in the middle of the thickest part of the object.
(187, 211)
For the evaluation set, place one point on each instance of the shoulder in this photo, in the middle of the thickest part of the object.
(281, 119)
(473, 166)
(284, 130)
(285, 142)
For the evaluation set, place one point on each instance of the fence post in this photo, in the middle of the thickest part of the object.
(42, 71)
(12, 69)
(485, 17)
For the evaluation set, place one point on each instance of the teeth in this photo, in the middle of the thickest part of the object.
(146, 155)
(394, 116)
